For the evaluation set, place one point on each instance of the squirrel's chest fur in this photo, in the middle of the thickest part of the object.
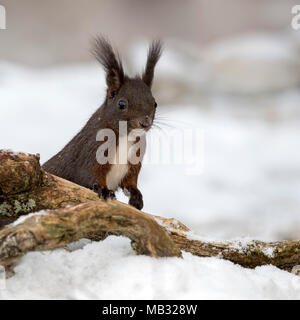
(119, 169)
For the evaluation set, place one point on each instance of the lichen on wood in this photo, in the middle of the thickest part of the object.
(26, 188)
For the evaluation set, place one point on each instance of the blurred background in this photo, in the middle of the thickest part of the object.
(230, 68)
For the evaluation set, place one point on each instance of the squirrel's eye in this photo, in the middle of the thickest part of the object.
(122, 104)
(155, 105)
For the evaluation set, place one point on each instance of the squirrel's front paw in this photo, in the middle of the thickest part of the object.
(104, 193)
(108, 194)
(136, 200)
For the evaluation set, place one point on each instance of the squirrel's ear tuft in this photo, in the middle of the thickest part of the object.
(104, 53)
(154, 53)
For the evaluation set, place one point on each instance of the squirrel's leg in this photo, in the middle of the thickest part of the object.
(103, 192)
(129, 186)
(136, 198)
(100, 185)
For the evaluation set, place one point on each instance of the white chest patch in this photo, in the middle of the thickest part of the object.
(120, 167)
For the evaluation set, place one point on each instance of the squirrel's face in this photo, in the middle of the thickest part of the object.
(127, 99)
(133, 103)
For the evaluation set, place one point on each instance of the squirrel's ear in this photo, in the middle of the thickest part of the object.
(154, 53)
(111, 62)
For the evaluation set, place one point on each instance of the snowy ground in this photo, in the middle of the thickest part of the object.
(110, 270)
(249, 187)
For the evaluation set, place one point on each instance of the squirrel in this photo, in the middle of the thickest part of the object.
(127, 99)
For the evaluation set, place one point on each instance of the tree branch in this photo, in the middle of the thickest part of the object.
(282, 254)
(26, 188)
(57, 228)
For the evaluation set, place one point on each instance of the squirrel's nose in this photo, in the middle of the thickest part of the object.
(146, 122)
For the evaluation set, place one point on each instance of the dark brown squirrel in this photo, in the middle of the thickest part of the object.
(127, 99)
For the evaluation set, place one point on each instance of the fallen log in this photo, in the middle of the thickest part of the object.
(56, 228)
(96, 220)
(249, 254)
(26, 188)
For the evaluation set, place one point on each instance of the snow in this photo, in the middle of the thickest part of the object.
(268, 251)
(110, 270)
(254, 46)
(253, 64)
(249, 188)
(22, 219)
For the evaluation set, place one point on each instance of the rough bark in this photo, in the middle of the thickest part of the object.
(26, 188)
(57, 228)
(282, 254)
